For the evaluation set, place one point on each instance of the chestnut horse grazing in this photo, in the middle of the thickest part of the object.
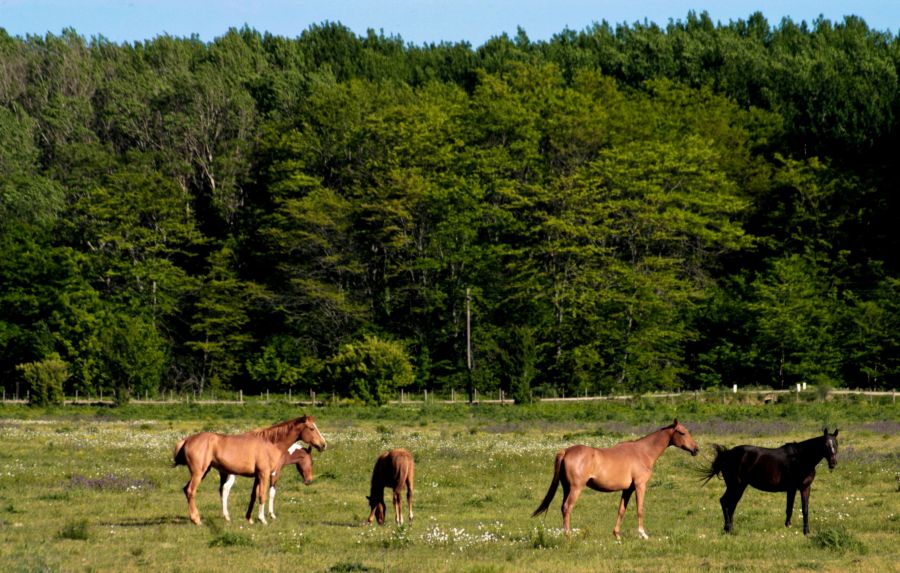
(625, 467)
(254, 454)
(296, 455)
(789, 468)
(393, 469)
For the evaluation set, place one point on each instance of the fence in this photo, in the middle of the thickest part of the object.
(455, 397)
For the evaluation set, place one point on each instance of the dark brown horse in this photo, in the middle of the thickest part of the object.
(790, 468)
(254, 454)
(625, 467)
(296, 455)
(393, 469)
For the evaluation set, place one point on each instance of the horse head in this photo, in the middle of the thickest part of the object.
(682, 438)
(831, 448)
(310, 434)
(304, 466)
(378, 508)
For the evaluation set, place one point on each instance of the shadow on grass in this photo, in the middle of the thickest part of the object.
(344, 523)
(150, 521)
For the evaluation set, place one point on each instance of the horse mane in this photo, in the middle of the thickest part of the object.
(281, 430)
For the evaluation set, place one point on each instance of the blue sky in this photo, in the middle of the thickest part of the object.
(416, 21)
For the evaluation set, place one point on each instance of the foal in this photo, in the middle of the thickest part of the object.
(789, 468)
(295, 455)
(393, 469)
(625, 467)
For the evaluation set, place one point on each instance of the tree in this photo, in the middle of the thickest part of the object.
(45, 380)
(371, 370)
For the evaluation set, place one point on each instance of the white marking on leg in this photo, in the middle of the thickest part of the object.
(226, 489)
(272, 502)
(262, 513)
(643, 534)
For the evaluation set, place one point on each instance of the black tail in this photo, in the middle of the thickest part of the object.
(716, 467)
(553, 485)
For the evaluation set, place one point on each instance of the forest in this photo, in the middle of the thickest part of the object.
(625, 208)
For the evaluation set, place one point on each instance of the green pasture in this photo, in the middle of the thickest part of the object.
(93, 489)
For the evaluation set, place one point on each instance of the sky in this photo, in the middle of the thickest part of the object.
(415, 21)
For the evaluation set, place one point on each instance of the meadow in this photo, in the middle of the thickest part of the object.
(93, 489)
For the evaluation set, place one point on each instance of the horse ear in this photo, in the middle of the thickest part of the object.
(835, 433)
(675, 422)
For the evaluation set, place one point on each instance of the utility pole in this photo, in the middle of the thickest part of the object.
(471, 385)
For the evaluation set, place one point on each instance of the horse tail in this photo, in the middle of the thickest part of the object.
(178, 456)
(557, 465)
(715, 468)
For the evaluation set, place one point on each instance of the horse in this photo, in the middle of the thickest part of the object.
(624, 467)
(393, 469)
(253, 454)
(296, 455)
(789, 468)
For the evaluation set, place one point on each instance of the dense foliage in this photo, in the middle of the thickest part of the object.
(631, 208)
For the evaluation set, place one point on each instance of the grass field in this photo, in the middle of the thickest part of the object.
(93, 489)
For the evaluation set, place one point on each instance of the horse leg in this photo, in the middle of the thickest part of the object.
(789, 512)
(398, 506)
(729, 501)
(272, 499)
(225, 483)
(253, 492)
(639, 489)
(569, 499)
(804, 504)
(409, 496)
(190, 490)
(262, 485)
(623, 505)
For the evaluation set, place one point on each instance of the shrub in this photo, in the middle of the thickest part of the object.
(75, 530)
(371, 370)
(45, 379)
(837, 539)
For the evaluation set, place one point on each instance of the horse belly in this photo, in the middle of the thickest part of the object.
(608, 477)
(608, 486)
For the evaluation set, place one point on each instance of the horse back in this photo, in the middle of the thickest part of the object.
(603, 469)
(393, 468)
(244, 454)
(766, 469)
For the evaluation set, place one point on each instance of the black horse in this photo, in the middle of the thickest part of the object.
(789, 468)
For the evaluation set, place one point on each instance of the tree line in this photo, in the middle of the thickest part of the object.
(619, 209)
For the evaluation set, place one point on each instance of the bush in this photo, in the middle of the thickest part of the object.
(837, 539)
(45, 379)
(371, 370)
(77, 530)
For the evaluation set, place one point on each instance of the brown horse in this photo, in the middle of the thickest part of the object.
(254, 454)
(393, 469)
(296, 455)
(625, 467)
